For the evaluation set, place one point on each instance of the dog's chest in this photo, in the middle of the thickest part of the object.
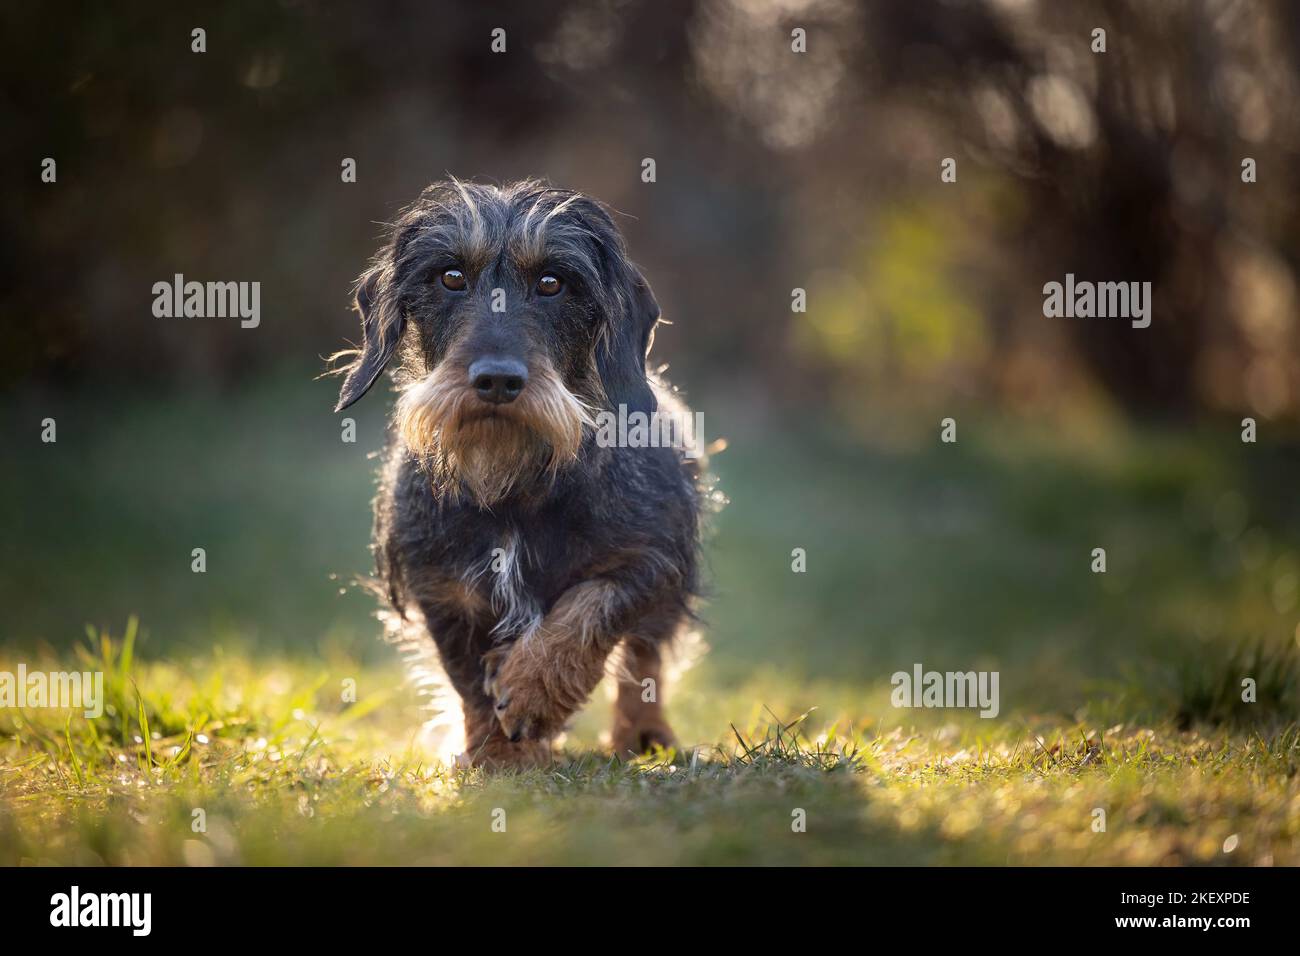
(521, 576)
(511, 587)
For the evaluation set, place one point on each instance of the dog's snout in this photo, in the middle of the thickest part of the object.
(498, 380)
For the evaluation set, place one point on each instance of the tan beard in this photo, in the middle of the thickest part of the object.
(491, 451)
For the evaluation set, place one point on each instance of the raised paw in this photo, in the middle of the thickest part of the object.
(497, 754)
(487, 747)
(524, 703)
(492, 662)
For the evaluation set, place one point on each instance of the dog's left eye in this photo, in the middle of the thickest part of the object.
(549, 285)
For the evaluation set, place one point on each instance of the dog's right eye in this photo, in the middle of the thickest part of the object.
(453, 279)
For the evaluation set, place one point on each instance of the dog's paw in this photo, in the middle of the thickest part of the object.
(633, 740)
(492, 662)
(497, 755)
(523, 703)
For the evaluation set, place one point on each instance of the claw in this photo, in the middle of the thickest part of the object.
(491, 670)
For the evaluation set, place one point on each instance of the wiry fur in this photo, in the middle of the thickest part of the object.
(490, 453)
(528, 551)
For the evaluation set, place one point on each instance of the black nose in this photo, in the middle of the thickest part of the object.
(498, 380)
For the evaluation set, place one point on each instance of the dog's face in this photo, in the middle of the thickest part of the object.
(513, 314)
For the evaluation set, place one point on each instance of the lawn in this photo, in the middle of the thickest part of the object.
(230, 736)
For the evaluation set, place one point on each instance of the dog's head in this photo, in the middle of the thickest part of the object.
(514, 315)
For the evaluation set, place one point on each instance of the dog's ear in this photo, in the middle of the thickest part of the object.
(620, 360)
(381, 328)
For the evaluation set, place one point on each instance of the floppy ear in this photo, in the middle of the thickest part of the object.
(621, 359)
(380, 335)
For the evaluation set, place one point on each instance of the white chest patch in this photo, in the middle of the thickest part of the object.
(518, 614)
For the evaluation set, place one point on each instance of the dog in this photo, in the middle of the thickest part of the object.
(511, 318)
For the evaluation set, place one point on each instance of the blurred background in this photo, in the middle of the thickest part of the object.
(776, 170)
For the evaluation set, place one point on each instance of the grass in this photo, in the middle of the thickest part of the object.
(228, 738)
(272, 768)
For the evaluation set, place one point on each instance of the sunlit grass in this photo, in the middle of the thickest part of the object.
(234, 760)
(1121, 693)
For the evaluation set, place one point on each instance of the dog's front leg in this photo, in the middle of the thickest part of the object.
(546, 676)
(487, 746)
(639, 722)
